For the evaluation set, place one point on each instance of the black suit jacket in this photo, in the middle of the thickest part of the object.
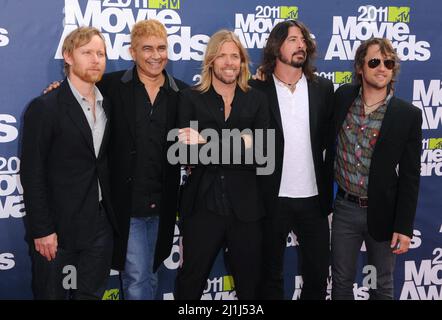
(118, 86)
(249, 110)
(320, 95)
(393, 181)
(59, 169)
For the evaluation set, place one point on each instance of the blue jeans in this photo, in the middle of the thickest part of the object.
(349, 230)
(139, 280)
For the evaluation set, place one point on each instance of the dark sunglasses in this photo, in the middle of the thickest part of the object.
(388, 63)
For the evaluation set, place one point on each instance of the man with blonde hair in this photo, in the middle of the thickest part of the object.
(144, 185)
(64, 173)
(221, 204)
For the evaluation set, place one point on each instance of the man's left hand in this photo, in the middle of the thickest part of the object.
(400, 243)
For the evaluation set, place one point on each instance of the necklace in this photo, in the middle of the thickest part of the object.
(291, 86)
(372, 105)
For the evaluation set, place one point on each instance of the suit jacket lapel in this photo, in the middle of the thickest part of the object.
(76, 114)
(105, 139)
(387, 121)
(273, 102)
(342, 110)
(127, 99)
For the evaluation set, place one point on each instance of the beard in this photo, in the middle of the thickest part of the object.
(223, 79)
(87, 75)
(294, 63)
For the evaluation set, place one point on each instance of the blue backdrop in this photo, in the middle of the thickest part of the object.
(31, 34)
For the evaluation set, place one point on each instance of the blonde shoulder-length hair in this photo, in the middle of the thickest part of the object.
(212, 51)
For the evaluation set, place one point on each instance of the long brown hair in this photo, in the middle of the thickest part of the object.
(276, 39)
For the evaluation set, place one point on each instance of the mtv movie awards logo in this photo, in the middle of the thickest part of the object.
(428, 97)
(253, 29)
(11, 191)
(381, 22)
(337, 77)
(7, 261)
(431, 157)
(218, 288)
(4, 40)
(423, 279)
(174, 259)
(116, 18)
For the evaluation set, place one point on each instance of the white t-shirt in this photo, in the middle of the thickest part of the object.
(298, 173)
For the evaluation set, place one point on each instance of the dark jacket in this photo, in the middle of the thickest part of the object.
(320, 95)
(118, 86)
(249, 110)
(59, 169)
(392, 195)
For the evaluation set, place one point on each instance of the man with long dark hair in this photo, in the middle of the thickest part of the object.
(298, 195)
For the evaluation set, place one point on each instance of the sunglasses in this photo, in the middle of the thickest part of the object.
(388, 63)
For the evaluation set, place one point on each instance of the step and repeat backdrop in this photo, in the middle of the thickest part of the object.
(31, 35)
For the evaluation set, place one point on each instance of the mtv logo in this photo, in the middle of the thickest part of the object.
(435, 143)
(343, 77)
(399, 14)
(112, 294)
(228, 284)
(164, 4)
(288, 12)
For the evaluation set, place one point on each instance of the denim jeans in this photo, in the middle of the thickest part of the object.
(139, 280)
(349, 230)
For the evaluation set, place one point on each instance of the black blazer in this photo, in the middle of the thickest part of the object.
(249, 110)
(320, 95)
(392, 195)
(118, 86)
(59, 169)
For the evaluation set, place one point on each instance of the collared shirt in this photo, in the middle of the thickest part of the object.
(298, 179)
(217, 198)
(356, 141)
(98, 125)
(151, 132)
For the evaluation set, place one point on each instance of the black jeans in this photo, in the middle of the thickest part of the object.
(204, 235)
(80, 273)
(304, 217)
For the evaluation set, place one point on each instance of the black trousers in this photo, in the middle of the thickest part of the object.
(204, 234)
(303, 216)
(79, 274)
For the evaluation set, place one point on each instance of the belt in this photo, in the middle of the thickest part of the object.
(361, 201)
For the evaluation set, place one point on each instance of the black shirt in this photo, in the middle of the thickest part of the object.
(151, 132)
(217, 198)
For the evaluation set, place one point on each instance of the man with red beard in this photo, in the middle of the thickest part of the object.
(64, 173)
(144, 186)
